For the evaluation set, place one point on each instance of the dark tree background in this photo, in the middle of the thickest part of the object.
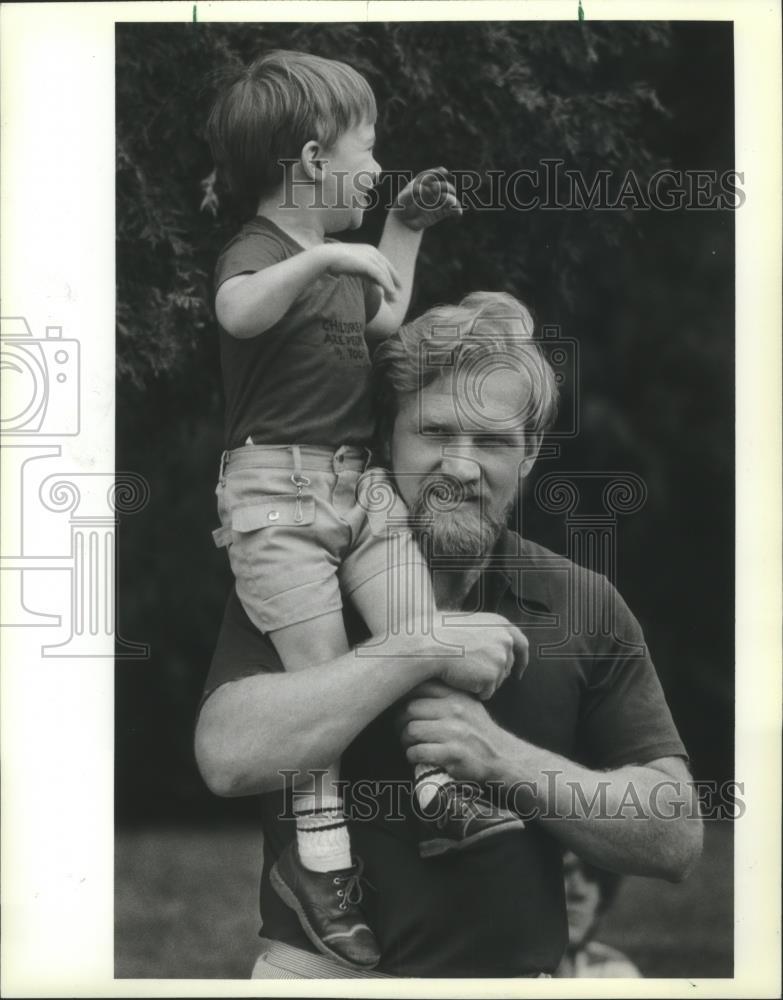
(648, 295)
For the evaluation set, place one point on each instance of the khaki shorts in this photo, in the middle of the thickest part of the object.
(304, 526)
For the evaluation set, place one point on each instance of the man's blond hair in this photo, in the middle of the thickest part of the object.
(456, 340)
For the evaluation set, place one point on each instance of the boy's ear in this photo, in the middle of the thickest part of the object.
(311, 159)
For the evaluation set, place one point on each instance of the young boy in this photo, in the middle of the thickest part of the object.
(303, 519)
(589, 893)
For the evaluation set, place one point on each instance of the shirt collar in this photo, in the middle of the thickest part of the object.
(515, 565)
(526, 569)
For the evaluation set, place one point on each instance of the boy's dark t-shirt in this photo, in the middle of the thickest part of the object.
(305, 380)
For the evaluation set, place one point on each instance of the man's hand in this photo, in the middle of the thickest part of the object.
(363, 259)
(453, 730)
(491, 648)
(427, 199)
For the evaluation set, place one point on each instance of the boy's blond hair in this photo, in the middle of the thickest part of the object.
(267, 111)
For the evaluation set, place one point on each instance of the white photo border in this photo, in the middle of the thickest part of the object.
(58, 211)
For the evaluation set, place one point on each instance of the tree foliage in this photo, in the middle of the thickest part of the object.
(478, 97)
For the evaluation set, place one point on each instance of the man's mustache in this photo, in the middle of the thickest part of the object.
(444, 494)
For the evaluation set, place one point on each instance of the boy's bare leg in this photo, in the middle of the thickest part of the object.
(321, 830)
(411, 608)
(319, 879)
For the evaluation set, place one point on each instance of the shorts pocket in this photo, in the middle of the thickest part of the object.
(274, 511)
(279, 510)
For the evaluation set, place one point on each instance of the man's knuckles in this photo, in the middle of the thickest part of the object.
(415, 731)
(457, 709)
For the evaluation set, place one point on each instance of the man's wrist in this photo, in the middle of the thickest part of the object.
(419, 654)
(513, 774)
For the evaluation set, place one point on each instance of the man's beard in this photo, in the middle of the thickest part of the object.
(448, 520)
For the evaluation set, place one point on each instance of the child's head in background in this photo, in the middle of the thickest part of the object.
(590, 891)
(298, 129)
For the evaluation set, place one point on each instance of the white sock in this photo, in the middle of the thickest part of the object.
(429, 778)
(322, 833)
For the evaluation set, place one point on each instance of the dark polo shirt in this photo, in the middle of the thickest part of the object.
(590, 693)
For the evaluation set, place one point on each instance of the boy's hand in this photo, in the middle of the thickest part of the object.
(361, 258)
(427, 199)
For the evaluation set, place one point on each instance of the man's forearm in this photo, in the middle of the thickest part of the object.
(637, 820)
(252, 729)
(255, 727)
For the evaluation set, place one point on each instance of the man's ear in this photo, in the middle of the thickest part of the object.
(532, 448)
(311, 159)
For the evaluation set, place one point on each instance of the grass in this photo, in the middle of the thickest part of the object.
(186, 905)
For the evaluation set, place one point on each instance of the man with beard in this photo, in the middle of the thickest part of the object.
(582, 747)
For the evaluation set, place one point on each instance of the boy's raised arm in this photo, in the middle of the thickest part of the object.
(428, 199)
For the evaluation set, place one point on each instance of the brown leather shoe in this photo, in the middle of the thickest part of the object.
(456, 820)
(327, 904)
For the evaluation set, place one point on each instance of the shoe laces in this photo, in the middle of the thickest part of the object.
(457, 803)
(353, 893)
